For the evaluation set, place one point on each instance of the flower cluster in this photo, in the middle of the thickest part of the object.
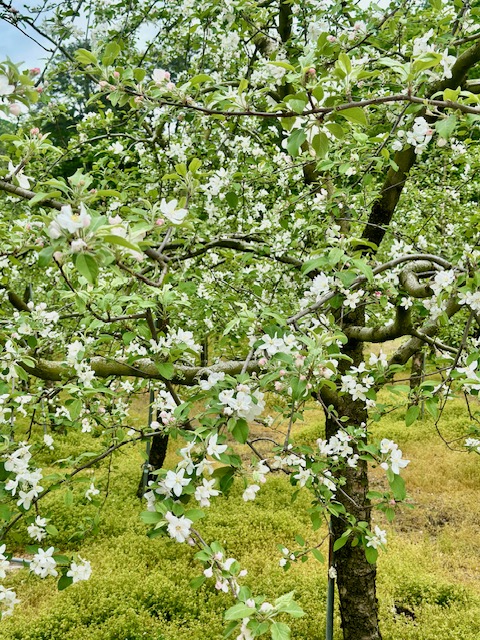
(165, 405)
(179, 339)
(224, 571)
(471, 299)
(43, 564)
(339, 447)
(178, 528)
(26, 480)
(274, 345)
(8, 600)
(418, 137)
(378, 539)
(473, 444)
(68, 221)
(242, 402)
(80, 571)
(393, 459)
(75, 355)
(36, 529)
(358, 385)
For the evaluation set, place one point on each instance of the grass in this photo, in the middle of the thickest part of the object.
(428, 579)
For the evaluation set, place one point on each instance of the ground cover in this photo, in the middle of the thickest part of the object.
(428, 579)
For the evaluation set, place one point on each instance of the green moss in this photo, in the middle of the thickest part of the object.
(139, 588)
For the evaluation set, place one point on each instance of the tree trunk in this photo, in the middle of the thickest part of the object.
(355, 576)
(416, 376)
(156, 458)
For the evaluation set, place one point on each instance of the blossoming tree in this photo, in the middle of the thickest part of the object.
(253, 192)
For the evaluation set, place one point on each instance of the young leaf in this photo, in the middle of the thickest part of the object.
(239, 611)
(412, 414)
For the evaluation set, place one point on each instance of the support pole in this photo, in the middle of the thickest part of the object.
(146, 465)
(330, 586)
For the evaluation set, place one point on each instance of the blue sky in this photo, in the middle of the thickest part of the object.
(19, 48)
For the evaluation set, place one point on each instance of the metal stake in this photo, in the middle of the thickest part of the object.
(330, 587)
(146, 466)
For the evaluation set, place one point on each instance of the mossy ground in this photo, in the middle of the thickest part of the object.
(428, 579)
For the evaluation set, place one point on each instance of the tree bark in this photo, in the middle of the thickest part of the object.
(156, 458)
(416, 376)
(355, 576)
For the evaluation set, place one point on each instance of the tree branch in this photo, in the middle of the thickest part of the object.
(402, 326)
(142, 368)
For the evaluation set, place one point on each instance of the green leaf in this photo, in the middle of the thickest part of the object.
(40, 197)
(446, 126)
(139, 74)
(335, 255)
(355, 114)
(85, 57)
(318, 93)
(280, 631)
(321, 144)
(371, 555)
(197, 582)
(336, 129)
(232, 199)
(295, 141)
(200, 79)
(5, 512)
(344, 63)
(364, 269)
(451, 94)
(299, 540)
(240, 431)
(194, 165)
(45, 256)
(412, 414)
(150, 517)
(340, 542)
(166, 370)
(239, 611)
(112, 238)
(297, 105)
(283, 65)
(431, 405)
(64, 582)
(87, 266)
(318, 555)
(74, 408)
(397, 485)
(111, 52)
(194, 514)
(230, 628)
